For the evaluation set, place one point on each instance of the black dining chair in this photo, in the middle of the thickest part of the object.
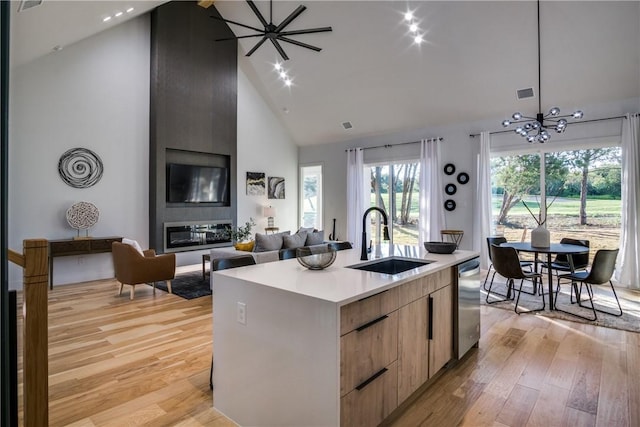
(506, 263)
(561, 261)
(600, 273)
(224, 264)
(498, 240)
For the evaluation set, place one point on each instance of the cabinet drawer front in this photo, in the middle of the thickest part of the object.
(361, 312)
(365, 351)
(69, 247)
(103, 245)
(372, 403)
(436, 281)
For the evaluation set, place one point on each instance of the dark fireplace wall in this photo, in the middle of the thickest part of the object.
(193, 107)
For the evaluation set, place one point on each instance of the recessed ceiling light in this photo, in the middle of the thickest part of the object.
(417, 39)
(118, 13)
(130, 10)
(413, 28)
(287, 82)
(408, 16)
(277, 66)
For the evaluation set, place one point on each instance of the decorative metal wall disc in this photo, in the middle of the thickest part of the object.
(449, 169)
(80, 168)
(449, 205)
(450, 189)
(82, 215)
(463, 178)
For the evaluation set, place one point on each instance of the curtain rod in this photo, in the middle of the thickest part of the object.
(473, 135)
(393, 145)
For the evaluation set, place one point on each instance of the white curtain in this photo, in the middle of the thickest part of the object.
(356, 201)
(431, 218)
(482, 218)
(628, 266)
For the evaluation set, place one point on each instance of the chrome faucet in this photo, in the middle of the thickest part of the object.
(385, 230)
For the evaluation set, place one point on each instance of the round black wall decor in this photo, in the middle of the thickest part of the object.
(449, 169)
(463, 178)
(449, 205)
(450, 189)
(80, 168)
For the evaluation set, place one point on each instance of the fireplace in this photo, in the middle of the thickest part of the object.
(194, 235)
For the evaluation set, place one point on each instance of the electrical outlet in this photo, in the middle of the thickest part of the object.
(241, 314)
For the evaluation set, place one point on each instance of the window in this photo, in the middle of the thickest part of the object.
(577, 191)
(395, 189)
(311, 196)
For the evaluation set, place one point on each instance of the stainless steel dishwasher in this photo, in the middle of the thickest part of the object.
(466, 313)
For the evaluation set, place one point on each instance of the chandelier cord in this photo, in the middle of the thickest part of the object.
(539, 67)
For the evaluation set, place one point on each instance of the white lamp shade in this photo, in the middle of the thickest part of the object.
(269, 211)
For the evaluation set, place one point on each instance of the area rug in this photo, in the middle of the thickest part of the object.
(188, 285)
(603, 298)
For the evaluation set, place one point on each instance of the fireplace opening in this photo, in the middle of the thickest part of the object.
(194, 235)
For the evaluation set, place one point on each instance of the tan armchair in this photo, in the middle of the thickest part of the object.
(131, 268)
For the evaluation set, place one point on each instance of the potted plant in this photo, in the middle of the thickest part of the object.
(242, 233)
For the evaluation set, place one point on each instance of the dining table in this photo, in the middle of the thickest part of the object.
(552, 249)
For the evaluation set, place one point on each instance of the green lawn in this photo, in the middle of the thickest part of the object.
(567, 207)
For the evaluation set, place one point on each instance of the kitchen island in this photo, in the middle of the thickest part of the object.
(340, 346)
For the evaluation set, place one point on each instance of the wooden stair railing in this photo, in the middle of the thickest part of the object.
(35, 347)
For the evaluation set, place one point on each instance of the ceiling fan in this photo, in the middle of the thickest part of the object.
(275, 33)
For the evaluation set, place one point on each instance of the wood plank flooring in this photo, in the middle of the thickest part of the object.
(116, 362)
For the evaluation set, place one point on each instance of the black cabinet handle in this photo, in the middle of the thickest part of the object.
(430, 325)
(371, 296)
(373, 322)
(373, 377)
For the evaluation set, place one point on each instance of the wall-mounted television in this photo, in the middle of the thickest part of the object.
(197, 184)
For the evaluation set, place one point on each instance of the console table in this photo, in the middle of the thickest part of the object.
(70, 247)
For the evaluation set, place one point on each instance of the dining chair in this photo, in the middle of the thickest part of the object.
(506, 263)
(224, 264)
(561, 261)
(600, 273)
(498, 240)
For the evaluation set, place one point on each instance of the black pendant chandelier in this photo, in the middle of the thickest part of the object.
(536, 129)
(275, 33)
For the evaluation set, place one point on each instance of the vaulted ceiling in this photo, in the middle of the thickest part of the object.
(474, 57)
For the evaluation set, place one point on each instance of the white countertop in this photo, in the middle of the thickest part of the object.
(342, 285)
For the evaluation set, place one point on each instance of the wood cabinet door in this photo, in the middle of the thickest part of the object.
(413, 347)
(369, 404)
(441, 342)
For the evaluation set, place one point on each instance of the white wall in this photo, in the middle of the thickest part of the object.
(457, 148)
(264, 146)
(93, 94)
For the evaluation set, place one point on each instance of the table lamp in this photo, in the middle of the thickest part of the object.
(269, 212)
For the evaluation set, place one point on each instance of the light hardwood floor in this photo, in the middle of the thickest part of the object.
(116, 362)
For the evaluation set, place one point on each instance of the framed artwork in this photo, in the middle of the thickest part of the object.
(255, 183)
(275, 188)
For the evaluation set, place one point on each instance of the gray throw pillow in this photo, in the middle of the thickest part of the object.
(294, 240)
(315, 238)
(268, 242)
(307, 229)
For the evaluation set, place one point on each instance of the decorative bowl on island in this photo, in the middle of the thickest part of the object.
(440, 247)
(316, 258)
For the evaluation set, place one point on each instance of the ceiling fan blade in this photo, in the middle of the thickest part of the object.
(237, 23)
(264, 39)
(253, 7)
(279, 49)
(297, 43)
(240, 37)
(290, 18)
(307, 31)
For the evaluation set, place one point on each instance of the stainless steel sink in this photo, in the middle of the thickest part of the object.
(391, 265)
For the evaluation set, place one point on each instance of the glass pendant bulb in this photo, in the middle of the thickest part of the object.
(506, 123)
(578, 114)
(531, 138)
(517, 116)
(554, 111)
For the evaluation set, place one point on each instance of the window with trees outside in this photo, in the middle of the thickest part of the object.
(395, 189)
(311, 196)
(577, 191)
